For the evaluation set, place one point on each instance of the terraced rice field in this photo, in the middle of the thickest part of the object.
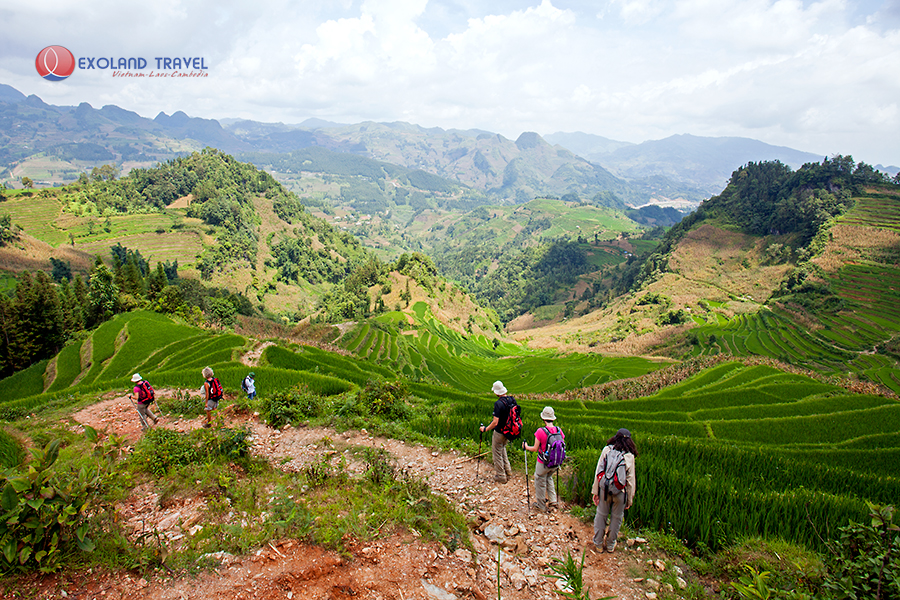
(435, 351)
(847, 341)
(31, 214)
(733, 451)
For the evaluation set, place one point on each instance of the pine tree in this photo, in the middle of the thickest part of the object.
(103, 296)
(7, 335)
(158, 281)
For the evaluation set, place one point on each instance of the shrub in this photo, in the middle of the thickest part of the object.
(44, 513)
(292, 405)
(866, 561)
(182, 403)
(11, 453)
(385, 398)
(163, 449)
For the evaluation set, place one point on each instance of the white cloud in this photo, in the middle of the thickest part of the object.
(818, 76)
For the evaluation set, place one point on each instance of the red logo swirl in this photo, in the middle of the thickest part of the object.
(54, 63)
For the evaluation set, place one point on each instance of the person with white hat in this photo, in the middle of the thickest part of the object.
(143, 395)
(502, 407)
(544, 488)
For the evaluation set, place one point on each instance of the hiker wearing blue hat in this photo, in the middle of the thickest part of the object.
(613, 488)
(249, 386)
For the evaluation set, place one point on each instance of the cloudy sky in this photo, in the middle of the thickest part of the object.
(822, 77)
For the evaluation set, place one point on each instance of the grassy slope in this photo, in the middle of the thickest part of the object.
(722, 277)
(724, 420)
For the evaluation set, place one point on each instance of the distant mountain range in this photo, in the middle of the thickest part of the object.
(700, 161)
(53, 144)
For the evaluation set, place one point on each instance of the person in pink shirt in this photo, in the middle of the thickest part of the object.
(143, 396)
(544, 488)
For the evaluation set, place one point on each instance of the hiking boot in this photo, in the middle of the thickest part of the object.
(498, 480)
(612, 548)
(538, 507)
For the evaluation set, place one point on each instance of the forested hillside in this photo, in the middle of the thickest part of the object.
(794, 265)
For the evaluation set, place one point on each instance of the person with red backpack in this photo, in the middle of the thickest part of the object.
(613, 488)
(212, 393)
(507, 425)
(549, 443)
(143, 395)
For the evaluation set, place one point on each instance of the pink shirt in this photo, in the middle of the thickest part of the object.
(541, 436)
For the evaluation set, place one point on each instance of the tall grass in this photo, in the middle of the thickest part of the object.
(11, 452)
(25, 383)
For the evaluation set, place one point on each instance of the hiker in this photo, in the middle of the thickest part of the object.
(212, 393)
(613, 488)
(546, 465)
(249, 386)
(143, 395)
(502, 407)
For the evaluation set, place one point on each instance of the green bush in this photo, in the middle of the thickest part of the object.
(291, 406)
(44, 513)
(182, 403)
(866, 560)
(11, 453)
(385, 398)
(163, 449)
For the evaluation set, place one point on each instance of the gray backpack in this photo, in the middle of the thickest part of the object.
(613, 475)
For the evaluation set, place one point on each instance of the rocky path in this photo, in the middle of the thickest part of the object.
(399, 566)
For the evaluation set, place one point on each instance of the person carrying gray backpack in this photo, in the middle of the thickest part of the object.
(613, 488)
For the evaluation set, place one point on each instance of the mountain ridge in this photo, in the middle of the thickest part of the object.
(670, 172)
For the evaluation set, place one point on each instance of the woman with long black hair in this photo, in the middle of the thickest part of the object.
(613, 488)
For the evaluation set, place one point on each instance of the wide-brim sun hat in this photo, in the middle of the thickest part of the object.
(547, 414)
(498, 388)
(135, 378)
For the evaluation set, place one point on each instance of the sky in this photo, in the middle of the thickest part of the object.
(821, 77)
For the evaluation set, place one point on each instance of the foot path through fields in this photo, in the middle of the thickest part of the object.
(399, 565)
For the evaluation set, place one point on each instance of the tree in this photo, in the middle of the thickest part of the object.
(62, 271)
(7, 335)
(72, 313)
(169, 300)
(221, 311)
(8, 231)
(157, 282)
(38, 321)
(27, 183)
(105, 173)
(103, 296)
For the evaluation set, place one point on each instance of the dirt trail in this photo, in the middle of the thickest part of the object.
(398, 566)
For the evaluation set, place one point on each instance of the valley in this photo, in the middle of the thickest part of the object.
(757, 333)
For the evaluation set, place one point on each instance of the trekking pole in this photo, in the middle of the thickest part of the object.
(527, 489)
(143, 420)
(480, 437)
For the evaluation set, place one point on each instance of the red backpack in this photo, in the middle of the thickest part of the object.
(512, 428)
(146, 395)
(215, 389)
